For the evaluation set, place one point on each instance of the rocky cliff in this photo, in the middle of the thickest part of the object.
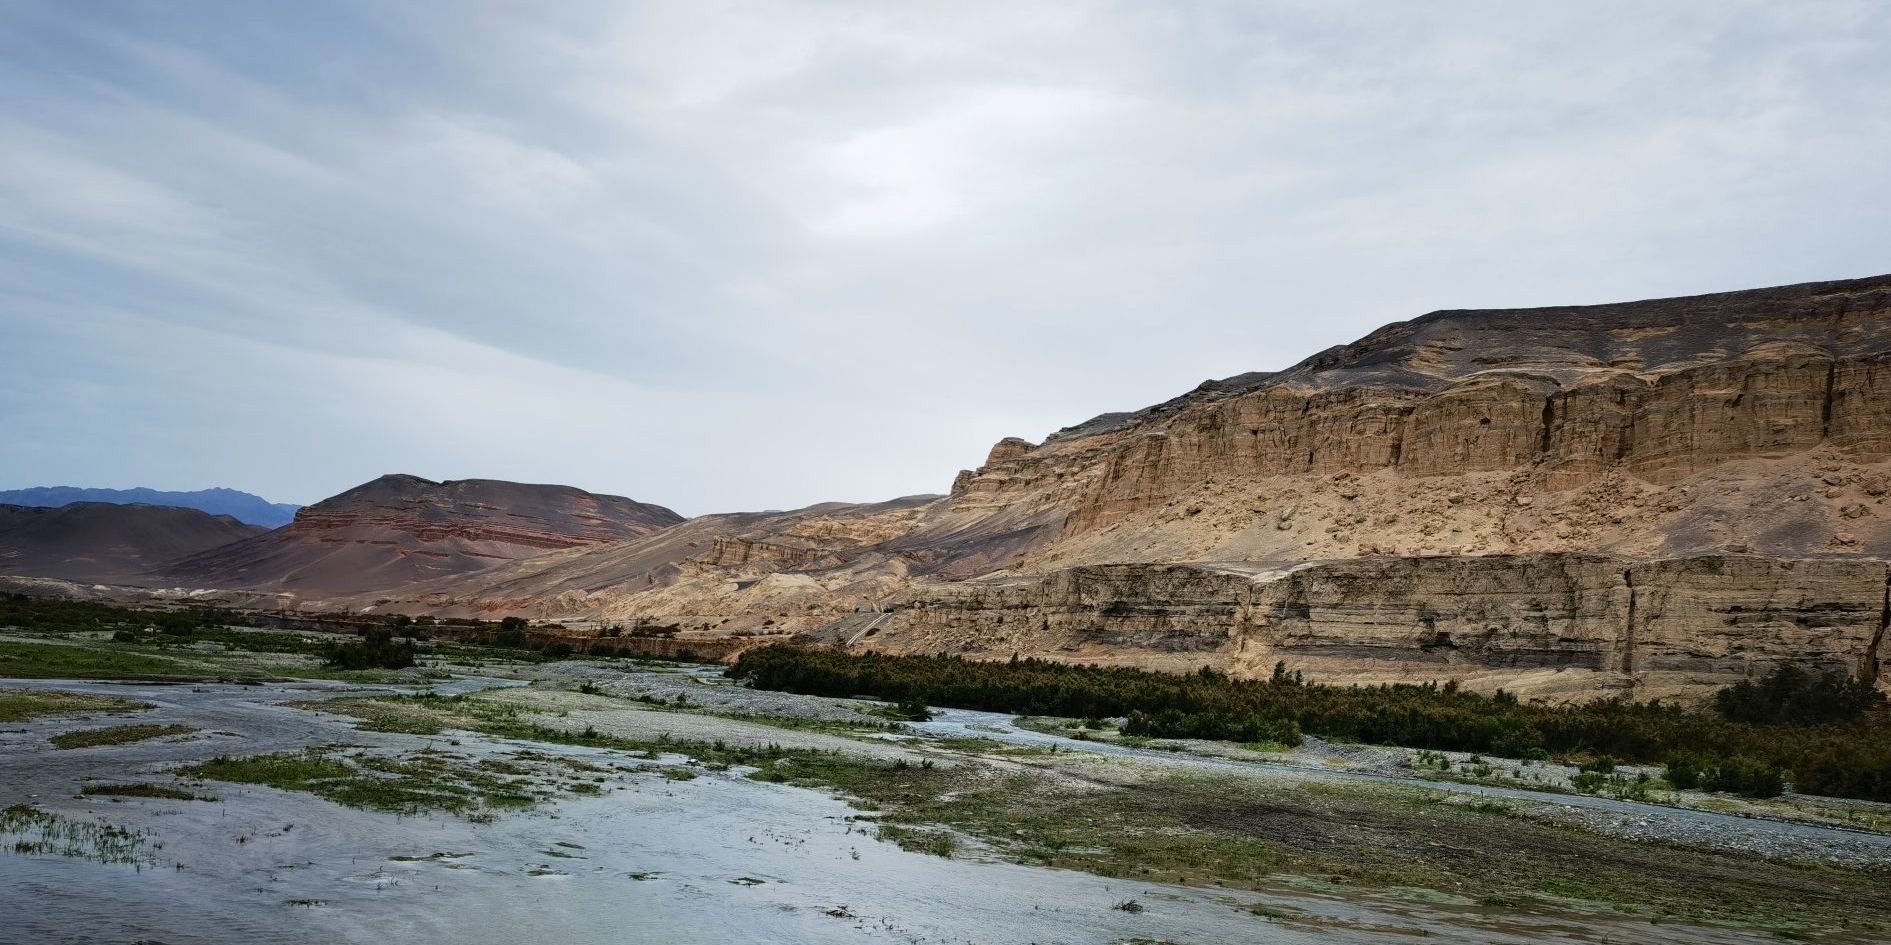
(399, 530)
(1552, 625)
(1649, 392)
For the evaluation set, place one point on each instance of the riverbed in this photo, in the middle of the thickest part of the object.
(715, 859)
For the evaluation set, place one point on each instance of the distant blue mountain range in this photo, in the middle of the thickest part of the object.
(241, 506)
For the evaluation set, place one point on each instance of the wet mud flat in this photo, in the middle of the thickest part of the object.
(614, 844)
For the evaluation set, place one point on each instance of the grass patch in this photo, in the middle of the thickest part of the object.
(935, 842)
(381, 715)
(417, 783)
(116, 735)
(245, 641)
(29, 831)
(160, 791)
(53, 661)
(1267, 747)
(431, 857)
(20, 704)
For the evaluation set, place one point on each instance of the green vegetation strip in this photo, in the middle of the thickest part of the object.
(1825, 734)
(416, 783)
(54, 661)
(160, 791)
(116, 735)
(1082, 813)
(17, 705)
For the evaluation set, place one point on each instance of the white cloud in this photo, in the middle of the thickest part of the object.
(744, 255)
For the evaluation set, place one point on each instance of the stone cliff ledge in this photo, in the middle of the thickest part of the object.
(1547, 625)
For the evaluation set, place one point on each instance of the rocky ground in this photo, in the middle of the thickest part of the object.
(705, 690)
(1198, 813)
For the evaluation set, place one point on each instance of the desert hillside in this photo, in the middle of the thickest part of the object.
(107, 542)
(398, 530)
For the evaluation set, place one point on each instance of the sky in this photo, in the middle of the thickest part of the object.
(734, 256)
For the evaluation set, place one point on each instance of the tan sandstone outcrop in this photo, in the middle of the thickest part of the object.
(1551, 624)
(1659, 390)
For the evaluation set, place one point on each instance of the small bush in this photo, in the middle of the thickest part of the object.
(914, 710)
(1736, 775)
(377, 649)
(1684, 772)
(1604, 764)
(1743, 775)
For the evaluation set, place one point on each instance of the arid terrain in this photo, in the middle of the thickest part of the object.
(1652, 497)
(493, 794)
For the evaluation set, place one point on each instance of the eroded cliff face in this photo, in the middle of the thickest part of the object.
(1657, 391)
(1549, 625)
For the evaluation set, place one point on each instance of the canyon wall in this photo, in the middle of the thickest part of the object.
(1551, 625)
(1660, 430)
(1657, 390)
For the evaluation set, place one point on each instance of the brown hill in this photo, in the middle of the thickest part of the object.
(107, 542)
(400, 530)
(686, 563)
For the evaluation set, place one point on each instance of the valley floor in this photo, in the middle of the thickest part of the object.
(482, 800)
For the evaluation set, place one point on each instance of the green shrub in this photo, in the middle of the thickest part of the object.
(1743, 775)
(1796, 696)
(377, 649)
(1848, 759)
(1684, 771)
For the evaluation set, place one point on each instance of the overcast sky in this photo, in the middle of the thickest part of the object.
(753, 255)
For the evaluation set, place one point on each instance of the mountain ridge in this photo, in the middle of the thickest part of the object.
(243, 506)
(108, 542)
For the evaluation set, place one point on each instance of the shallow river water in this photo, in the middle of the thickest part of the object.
(714, 860)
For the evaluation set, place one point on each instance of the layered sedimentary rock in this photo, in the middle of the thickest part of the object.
(1554, 498)
(106, 541)
(399, 530)
(1656, 390)
(1552, 624)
